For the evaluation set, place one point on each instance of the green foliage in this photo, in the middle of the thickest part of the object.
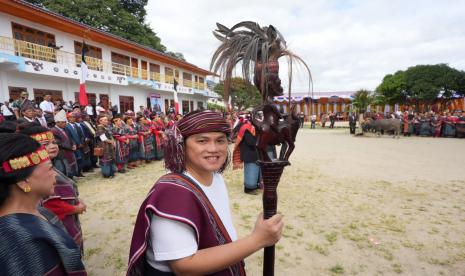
(215, 107)
(177, 55)
(125, 18)
(392, 89)
(421, 83)
(243, 93)
(362, 99)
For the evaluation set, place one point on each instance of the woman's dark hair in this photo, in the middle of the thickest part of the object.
(127, 118)
(31, 128)
(139, 118)
(8, 127)
(13, 145)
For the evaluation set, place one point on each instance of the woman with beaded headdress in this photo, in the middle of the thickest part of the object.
(30, 243)
(64, 202)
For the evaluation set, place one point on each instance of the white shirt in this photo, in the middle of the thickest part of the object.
(89, 110)
(42, 121)
(47, 106)
(99, 109)
(6, 111)
(172, 240)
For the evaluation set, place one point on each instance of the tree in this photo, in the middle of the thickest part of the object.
(125, 18)
(243, 94)
(362, 99)
(392, 90)
(421, 83)
(177, 55)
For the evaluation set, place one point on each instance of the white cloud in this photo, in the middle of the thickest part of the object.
(348, 44)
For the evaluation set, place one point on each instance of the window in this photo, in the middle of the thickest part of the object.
(90, 96)
(92, 51)
(33, 43)
(39, 95)
(200, 105)
(154, 72)
(120, 64)
(185, 107)
(168, 104)
(121, 59)
(143, 65)
(35, 36)
(134, 68)
(169, 77)
(187, 79)
(126, 103)
(15, 92)
(187, 76)
(154, 68)
(93, 56)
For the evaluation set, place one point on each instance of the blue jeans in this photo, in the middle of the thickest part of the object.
(251, 175)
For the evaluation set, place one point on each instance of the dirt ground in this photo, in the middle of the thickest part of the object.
(352, 206)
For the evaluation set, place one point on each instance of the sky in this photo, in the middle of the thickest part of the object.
(348, 45)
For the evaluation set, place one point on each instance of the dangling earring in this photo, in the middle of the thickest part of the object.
(27, 189)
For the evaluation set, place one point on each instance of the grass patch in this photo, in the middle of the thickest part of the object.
(337, 269)
(331, 237)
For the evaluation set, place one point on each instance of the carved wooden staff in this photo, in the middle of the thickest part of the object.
(271, 173)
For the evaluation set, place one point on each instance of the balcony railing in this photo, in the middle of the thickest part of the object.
(44, 53)
(144, 74)
(92, 63)
(169, 79)
(155, 76)
(187, 83)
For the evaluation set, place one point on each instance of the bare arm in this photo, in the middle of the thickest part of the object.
(213, 259)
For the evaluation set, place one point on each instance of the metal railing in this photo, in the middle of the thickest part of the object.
(40, 52)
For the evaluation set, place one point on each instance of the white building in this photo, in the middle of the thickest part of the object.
(40, 51)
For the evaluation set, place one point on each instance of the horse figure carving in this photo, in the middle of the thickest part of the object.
(274, 129)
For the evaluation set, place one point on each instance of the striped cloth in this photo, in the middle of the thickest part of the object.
(193, 123)
(202, 122)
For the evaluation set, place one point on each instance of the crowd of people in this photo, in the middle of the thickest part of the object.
(427, 124)
(46, 147)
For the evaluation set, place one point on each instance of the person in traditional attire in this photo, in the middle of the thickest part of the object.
(105, 140)
(157, 128)
(65, 162)
(122, 143)
(75, 134)
(31, 243)
(17, 105)
(245, 151)
(28, 113)
(436, 123)
(146, 140)
(88, 138)
(361, 122)
(352, 122)
(132, 135)
(425, 126)
(448, 129)
(64, 202)
(184, 226)
(87, 120)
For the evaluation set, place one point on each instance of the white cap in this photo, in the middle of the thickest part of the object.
(61, 116)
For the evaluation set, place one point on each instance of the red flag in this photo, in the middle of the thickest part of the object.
(83, 101)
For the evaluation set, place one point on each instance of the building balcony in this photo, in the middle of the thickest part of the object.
(43, 53)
